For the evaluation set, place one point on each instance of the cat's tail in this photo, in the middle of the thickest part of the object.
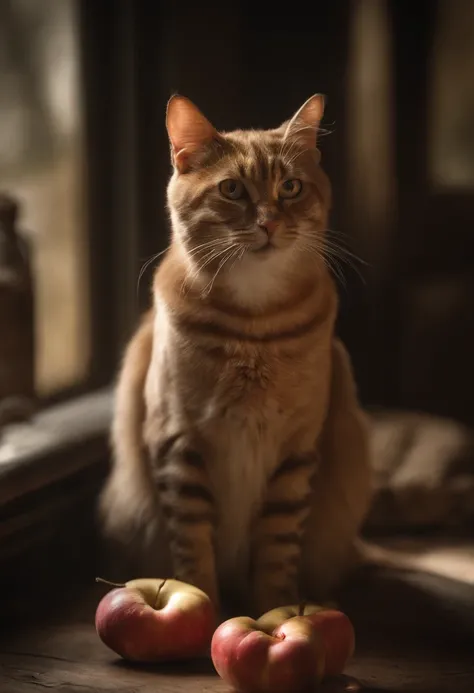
(127, 503)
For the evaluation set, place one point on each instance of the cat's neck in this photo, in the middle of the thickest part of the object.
(248, 290)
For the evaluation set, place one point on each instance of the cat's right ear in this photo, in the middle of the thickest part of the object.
(188, 131)
(305, 123)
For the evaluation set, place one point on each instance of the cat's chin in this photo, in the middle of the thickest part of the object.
(264, 249)
(258, 278)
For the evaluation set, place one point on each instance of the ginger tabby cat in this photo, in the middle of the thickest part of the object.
(241, 457)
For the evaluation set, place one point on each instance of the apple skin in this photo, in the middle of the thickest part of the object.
(291, 658)
(338, 636)
(143, 623)
(274, 618)
(335, 627)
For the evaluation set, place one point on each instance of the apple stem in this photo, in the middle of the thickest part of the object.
(301, 608)
(159, 590)
(110, 584)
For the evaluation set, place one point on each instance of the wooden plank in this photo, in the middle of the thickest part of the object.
(23, 673)
(72, 659)
(57, 443)
(413, 673)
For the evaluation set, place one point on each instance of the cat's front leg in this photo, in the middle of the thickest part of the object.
(189, 513)
(279, 533)
(343, 490)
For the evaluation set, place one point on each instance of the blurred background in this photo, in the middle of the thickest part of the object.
(83, 150)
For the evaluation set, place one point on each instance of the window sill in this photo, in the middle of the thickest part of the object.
(57, 443)
(51, 472)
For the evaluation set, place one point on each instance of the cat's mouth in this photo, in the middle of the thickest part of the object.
(264, 245)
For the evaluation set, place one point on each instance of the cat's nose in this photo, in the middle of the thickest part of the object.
(269, 225)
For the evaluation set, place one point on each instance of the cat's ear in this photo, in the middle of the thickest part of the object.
(305, 123)
(188, 130)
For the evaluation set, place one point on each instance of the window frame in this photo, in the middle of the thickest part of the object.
(117, 205)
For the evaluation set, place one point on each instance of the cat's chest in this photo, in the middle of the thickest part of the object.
(257, 409)
(242, 412)
(251, 374)
(267, 387)
(243, 399)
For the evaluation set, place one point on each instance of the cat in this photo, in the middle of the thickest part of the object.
(240, 451)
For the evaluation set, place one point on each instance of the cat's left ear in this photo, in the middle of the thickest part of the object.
(188, 130)
(305, 123)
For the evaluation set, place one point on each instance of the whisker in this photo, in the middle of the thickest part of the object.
(208, 258)
(336, 269)
(209, 244)
(327, 261)
(239, 255)
(344, 252)
(338, 238)
(331, 246)
(343, 255)
(145, 266)
(333, 259)
(206, 290)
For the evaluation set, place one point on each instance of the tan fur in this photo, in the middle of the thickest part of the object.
(238, 433)
(129, 486)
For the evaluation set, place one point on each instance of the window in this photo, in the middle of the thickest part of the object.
(41, 164)
(452, 96)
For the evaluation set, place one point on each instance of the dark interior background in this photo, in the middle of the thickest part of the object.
(410, 324)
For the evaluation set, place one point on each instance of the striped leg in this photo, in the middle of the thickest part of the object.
(279, 534)
(188, 510)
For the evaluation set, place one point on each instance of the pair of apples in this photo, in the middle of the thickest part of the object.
(286, 649)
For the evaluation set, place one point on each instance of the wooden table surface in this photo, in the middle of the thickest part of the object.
(64, 654)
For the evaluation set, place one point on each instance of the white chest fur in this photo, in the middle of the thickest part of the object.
(243, 461)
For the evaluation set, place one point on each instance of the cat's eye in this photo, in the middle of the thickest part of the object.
(232, 189)
(290, 188)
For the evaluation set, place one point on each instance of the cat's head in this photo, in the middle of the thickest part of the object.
(248, 200)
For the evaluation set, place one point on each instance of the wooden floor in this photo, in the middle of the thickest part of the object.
(404, 644)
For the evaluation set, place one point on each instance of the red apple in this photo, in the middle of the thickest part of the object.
(290, 658)
(335, 627)
(338, 636)
(150, 620)
(274, 618)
